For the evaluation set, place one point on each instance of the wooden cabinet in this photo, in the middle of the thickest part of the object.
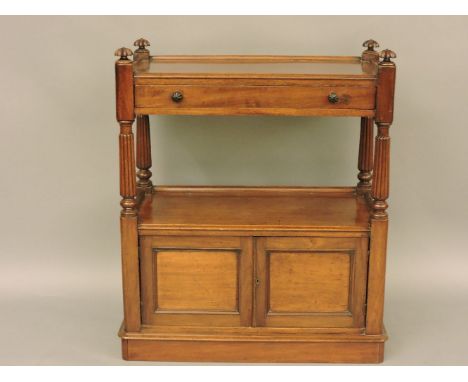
(253, 281)
(254, 274)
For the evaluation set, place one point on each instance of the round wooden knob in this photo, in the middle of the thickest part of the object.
(333, 98)
(177, 96)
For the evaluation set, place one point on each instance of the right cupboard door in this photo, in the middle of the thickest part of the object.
(313, 282)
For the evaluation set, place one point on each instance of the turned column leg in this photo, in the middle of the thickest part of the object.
(379, 231)
(381, 183)
(379, 193)
(143, 152)
(128, 216)
(127, 169)
(366, 151)
(128, 230)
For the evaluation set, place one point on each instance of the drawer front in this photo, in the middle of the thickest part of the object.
(186, 97)
(311, 282)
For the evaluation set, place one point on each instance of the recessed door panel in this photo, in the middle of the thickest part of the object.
(310, 282)
(307, 282)
(202, 280)
(196, 281)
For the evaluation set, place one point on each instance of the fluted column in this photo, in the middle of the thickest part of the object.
(384, 118)
(366, 151)
(127, 169)
(381, 182)
(125, 117)
(380, 192)
(128, 218)
(143, 151)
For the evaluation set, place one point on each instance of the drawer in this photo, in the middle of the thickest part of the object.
(185, 97)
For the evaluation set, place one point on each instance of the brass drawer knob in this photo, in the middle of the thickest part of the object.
(177, 96)
(333, 98)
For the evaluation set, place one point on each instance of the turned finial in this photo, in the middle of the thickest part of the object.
(370, 45)
(386, 55)
(141, 43)
(370, 57)
(123, 53)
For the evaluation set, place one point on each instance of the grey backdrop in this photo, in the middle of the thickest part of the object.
(60, 279)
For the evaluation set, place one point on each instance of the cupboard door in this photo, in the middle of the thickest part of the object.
(196, 281)
(310, 282)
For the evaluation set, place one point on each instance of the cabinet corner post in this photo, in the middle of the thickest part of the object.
(128, 219)
(380, 193)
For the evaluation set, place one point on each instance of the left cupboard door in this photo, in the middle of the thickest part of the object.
(196, 280)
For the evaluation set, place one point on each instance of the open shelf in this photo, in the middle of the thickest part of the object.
(254, 209)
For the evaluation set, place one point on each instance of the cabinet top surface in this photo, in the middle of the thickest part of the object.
(319, 67)
(254, 208)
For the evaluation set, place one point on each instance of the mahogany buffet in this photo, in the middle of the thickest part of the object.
(254, 274)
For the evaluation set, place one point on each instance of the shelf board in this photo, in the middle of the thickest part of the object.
(254, 209)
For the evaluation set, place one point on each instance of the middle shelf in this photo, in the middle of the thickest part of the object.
(253, 210)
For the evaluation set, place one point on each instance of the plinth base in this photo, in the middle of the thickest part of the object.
(251, 345)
